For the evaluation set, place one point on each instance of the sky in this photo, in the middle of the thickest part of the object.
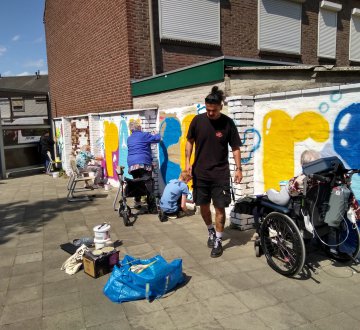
(22, 38)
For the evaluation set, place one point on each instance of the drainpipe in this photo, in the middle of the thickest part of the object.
(152, 44)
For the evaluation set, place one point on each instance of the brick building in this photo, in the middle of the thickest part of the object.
(99, 50)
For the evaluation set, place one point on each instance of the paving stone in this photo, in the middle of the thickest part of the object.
(7, 261)
(221, 268)
(190, 315)
(197, 274)
(64, 321)
(286, 290)
(237, 282)
(134, 308)
(62, 303)
(280, 317)
(313, 308)
(338, 321)
(243, 322)
(32, 324)
(22, 311)
(102, 313)
(4, 283)
(222, 306)
(270, 277)
(60, 288)
(25, 294)
(177, 297)
(5, 272)
(26, 258)
(155, 320)
(206, 289)
(114, 325)
(341, 298)
(256, 298)
(26, 280)
(55, 275)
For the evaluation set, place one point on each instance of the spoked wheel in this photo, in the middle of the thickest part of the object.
(125, 213)
(282, 244)
(344, 242)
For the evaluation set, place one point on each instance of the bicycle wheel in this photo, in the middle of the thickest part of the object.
(282, 244)
(126, 214)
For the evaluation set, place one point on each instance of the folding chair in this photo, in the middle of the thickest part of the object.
(76, 177)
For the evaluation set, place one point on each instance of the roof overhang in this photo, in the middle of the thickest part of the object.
(201, 73)
(6, 92)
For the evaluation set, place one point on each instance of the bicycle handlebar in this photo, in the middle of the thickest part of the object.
(319, 178)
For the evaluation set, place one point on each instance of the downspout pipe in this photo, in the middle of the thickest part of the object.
(152, 43)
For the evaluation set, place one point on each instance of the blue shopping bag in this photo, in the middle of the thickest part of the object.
(158, 278)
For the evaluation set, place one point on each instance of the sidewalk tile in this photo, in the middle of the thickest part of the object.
(280, 317)
(190, 315)
(22, 311)
(64, 321)
(243, 321)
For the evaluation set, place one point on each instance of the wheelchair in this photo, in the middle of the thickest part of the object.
(134, 188)
(319, 213)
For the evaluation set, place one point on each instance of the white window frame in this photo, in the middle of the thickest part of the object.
(329, 7)
(355, 15)
(274, 49)
(168, 32)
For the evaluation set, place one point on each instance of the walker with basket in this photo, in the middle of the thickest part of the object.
(134, 188)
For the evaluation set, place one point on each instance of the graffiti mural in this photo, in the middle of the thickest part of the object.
(173, 127)
(59, 134)
(113, 142)
(79, 133)
(325, 122)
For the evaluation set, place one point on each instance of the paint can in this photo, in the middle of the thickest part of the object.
(283, 183)
(55, 175)
(99, 243)
(106, 187)
(102, 232)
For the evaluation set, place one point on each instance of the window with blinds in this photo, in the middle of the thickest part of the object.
(354, 46)
(327, 29)
(279, 27)
(17, 104)
(190, 20)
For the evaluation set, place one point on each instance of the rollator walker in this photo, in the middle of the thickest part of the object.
(134, 188)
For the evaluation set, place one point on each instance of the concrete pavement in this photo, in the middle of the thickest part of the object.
(235, 291)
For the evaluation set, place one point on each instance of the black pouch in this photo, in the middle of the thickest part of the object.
(246, 205)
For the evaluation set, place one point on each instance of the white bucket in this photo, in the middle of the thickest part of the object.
(102, 232)
(55, 174)
(106, 187)
(99, 243)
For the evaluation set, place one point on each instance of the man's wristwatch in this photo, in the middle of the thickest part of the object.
(238, 168)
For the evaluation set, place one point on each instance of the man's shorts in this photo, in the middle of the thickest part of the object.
(205, 191)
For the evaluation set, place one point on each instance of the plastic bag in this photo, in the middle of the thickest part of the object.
(152, 282)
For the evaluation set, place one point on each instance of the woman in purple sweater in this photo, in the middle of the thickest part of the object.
(139, 154)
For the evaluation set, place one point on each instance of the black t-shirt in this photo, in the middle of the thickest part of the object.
(212, 138)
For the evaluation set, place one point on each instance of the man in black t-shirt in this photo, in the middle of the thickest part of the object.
(212, 132)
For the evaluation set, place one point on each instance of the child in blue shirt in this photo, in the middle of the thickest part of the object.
(174, 197)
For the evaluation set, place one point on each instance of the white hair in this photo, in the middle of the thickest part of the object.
(309, 156)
